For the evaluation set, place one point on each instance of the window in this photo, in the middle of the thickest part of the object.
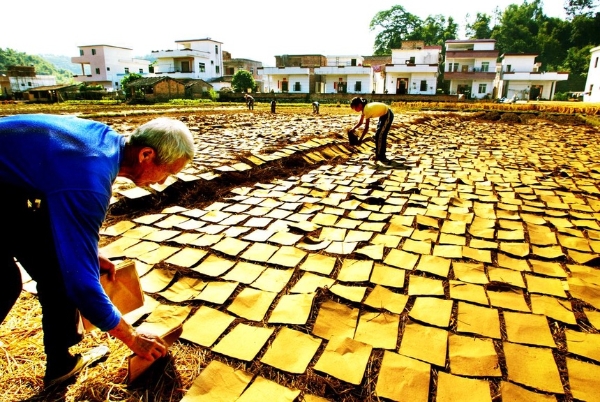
(353, 62)
(141, 71)
(126, 70)
(423, 85)
(81, 52)
(216, 49)
(358, 86)
(252, 70)
(28, 83)
(508, 68)
(217, 69)
(97, 70)
(93, 52)
(297, 87)
(107, 68)
(116, 84)
(596, 63)
(453, 67)
(482, 88)
(485, 66)
(202, 67)
(412, 60)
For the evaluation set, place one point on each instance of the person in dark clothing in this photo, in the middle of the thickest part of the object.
(249, 101)
(367, 112)
(315, 106)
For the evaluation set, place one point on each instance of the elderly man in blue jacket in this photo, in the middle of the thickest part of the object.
(56, 177)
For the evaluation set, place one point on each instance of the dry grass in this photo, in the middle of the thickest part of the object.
(22, 360)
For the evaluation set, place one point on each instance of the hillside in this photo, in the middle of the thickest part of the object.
(43, 66)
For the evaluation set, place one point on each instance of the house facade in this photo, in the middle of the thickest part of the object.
(233, 65)
(156, 89)
(414, 69)
(592, 84)
(292, 73)
(344, 74)
(470, 67)
(518, 75)
(194, 58)
(23, 78)
(107, 65)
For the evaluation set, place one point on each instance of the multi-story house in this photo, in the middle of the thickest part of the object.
(414, 69)
(194, 58)
(470, 67)
(232, 66)
(24, 78)
(519, 76)
(344, 74)
(292, 73)
(592, 84)
(106, 65)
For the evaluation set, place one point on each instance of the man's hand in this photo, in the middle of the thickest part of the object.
(107, 266)
(147, 346)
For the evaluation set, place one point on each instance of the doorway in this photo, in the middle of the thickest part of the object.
(401, 85)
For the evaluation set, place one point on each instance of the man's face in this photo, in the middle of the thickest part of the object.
(151, 173)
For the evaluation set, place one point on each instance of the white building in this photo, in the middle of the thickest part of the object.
(193, 58)
(592, 84)
(518, 76)
(344, 74)
(470, 67)
(414, 69)
(106, 65)
(23, 78)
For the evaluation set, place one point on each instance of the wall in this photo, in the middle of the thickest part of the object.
(167, 89)
(335, 98)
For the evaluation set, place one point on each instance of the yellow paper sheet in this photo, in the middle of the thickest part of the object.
(218, 382)
(401, 376)
(278, 354)
(345, 359)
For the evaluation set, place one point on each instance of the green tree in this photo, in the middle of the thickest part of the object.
(436, 30)
(10, 57)
(243, 81)
(480, 28)
(579, 7)
(518, 28)
(395, 25)
(577, 61)
(129, 78)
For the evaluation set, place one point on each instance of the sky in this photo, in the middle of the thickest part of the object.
(256, 29)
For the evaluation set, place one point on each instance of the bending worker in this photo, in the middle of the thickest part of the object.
(56, 175)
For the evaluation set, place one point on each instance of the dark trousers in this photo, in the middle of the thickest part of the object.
(383, 127)
(28, 238)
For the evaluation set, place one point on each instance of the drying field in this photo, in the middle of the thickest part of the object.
(465, 270)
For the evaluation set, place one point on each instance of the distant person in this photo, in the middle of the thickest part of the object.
(56, 175)
(367, 112)
(273, 105)
(249, 101)
(315, 107)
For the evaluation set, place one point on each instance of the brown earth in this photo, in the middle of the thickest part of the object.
(436, 141)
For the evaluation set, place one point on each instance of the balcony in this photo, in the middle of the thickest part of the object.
(470, 74)
(411, 68)
(534, 76)
(344, 70)
(159, 54)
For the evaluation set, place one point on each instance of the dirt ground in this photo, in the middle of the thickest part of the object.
(461, 207)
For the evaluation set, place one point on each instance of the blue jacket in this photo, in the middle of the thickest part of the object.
(71, 163)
